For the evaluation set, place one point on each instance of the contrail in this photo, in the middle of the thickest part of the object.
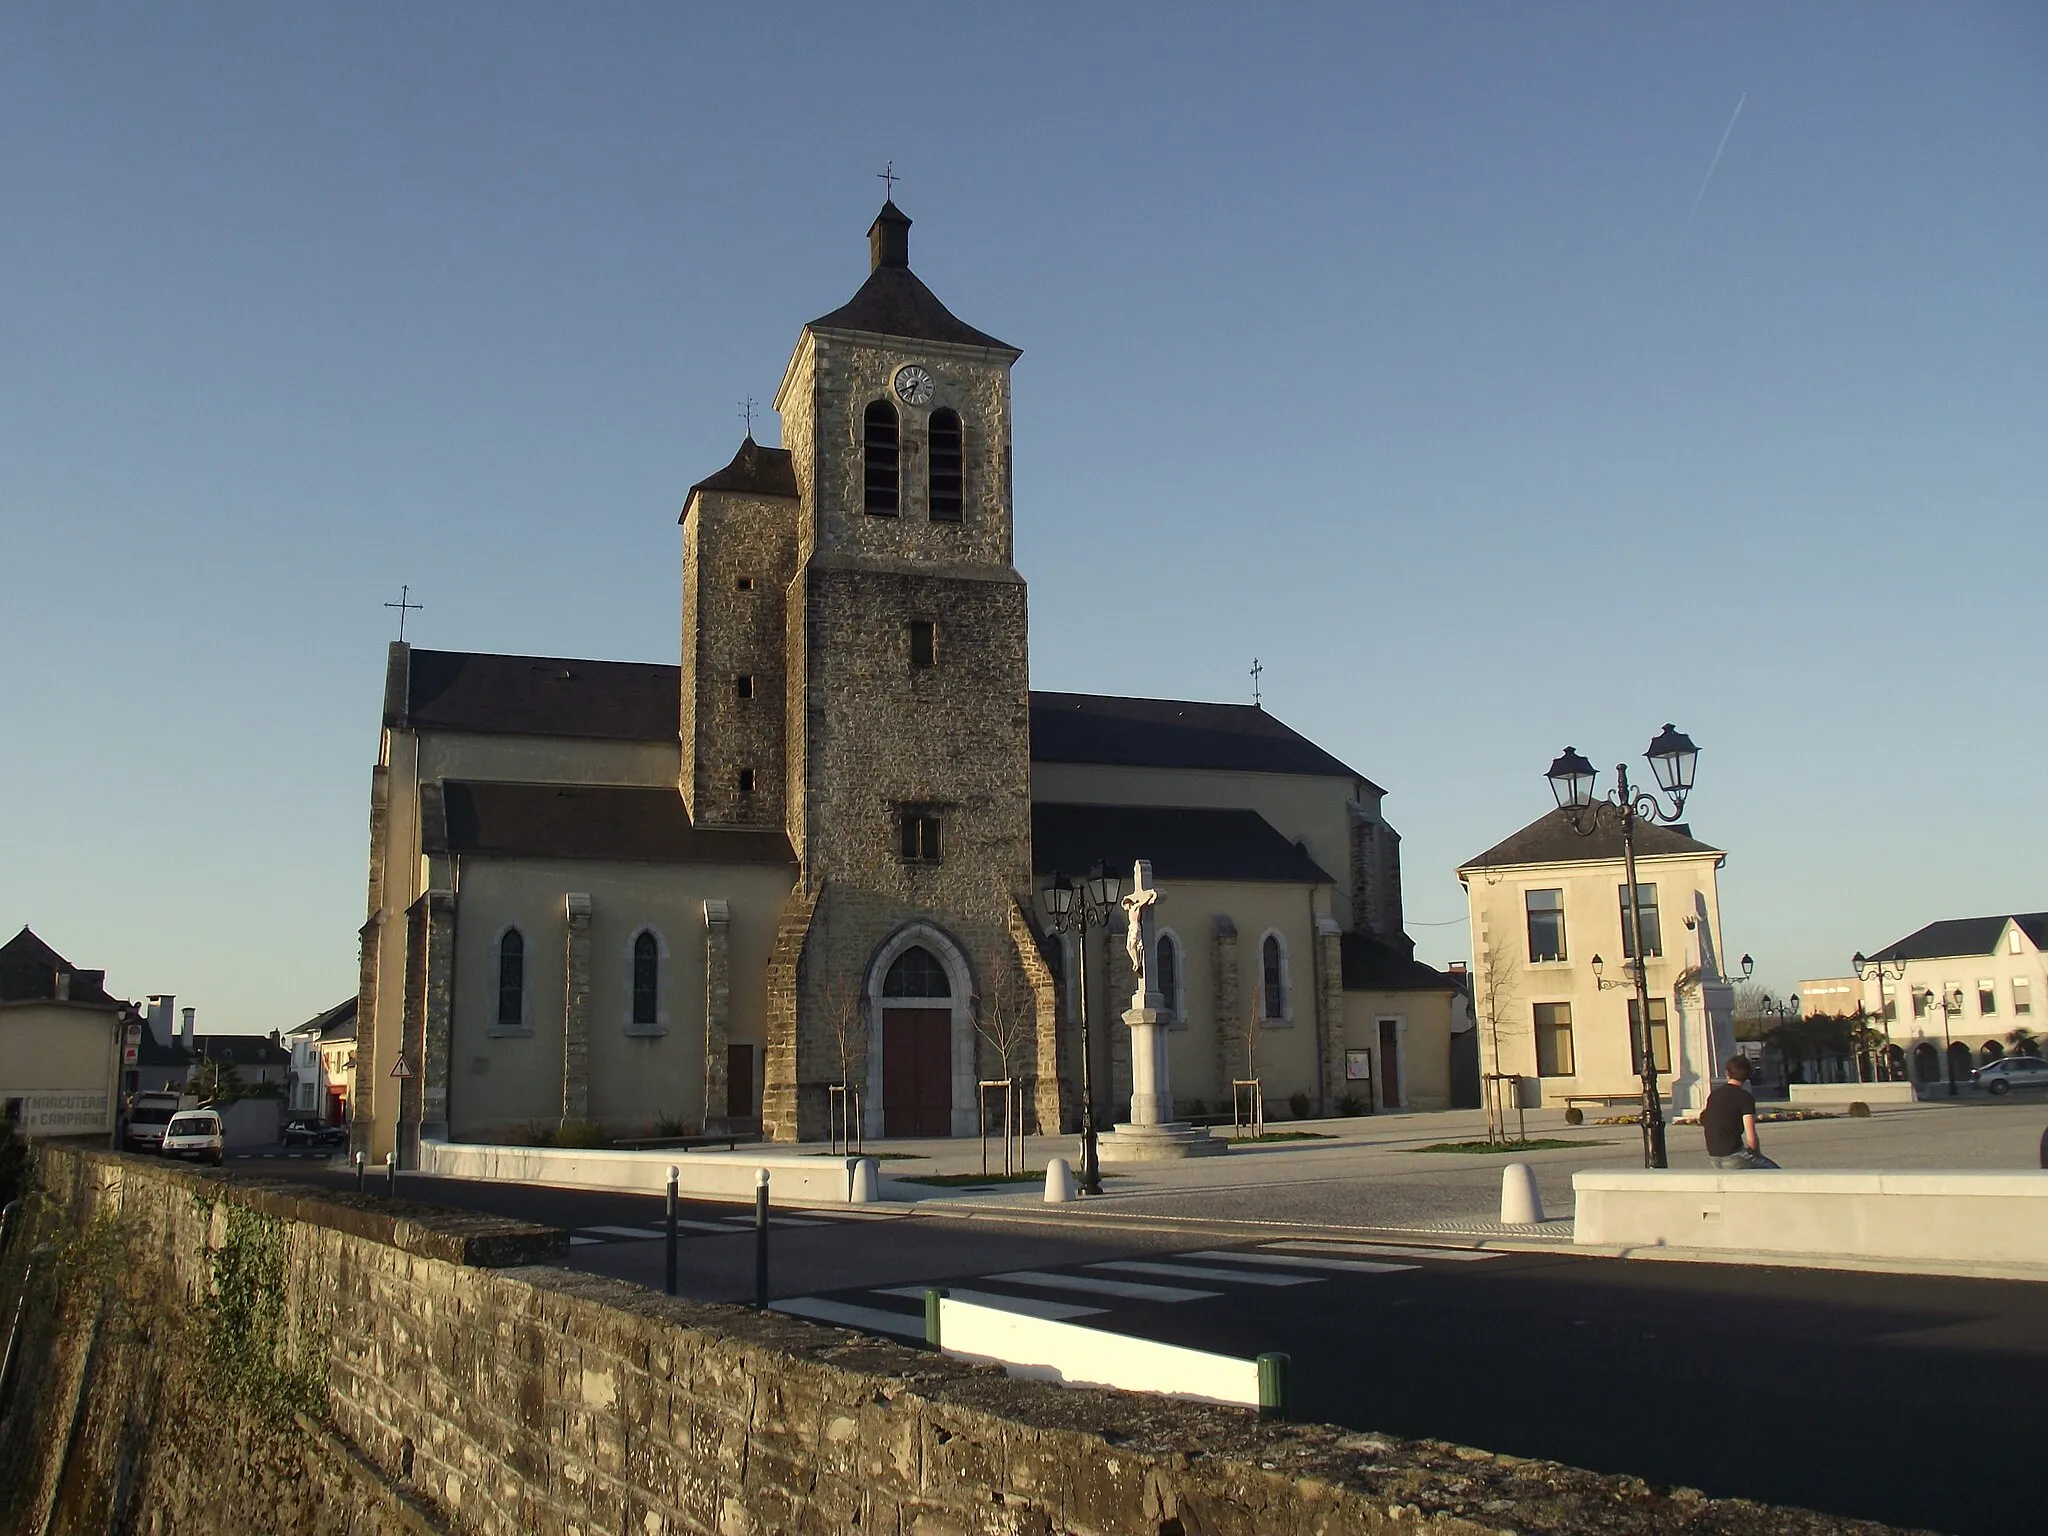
(1701, 196)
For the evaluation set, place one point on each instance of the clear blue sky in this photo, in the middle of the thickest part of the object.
(1375, 343)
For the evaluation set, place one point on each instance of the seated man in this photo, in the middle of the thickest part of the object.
(1729, 1121)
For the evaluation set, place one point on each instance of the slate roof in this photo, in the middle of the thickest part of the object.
(241, 1050)
(892, 302)
(1550, 840)
(583, 821)
(754, 471)
(337, 1023)
(1965, 936)
(1183, 843)
(1372, 966)
(28, 973)
(536, 696)
(1172, 733)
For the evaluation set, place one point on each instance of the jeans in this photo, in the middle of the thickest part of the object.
(1742, 1158)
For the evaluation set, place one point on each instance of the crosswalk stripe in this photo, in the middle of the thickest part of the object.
(578, 1242)
(1029, 1306)
(1130, 1290)
(862, 1215)
(1354, 1266)
(1197, 1272)
(1386, 1250)
(642, 1233)
(820, 1310)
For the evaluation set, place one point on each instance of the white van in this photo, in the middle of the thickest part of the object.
(195, 1133)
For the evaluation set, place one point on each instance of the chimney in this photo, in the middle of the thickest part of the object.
(163, 1017)
(889, 239)
(1456, 967)
(185, 1034)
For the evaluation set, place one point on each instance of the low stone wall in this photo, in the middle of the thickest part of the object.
(795, 1178)
(1850, 1093)
(221, 1358)
(1980, 1218)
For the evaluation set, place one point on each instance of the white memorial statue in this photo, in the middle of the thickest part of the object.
(1139, 927)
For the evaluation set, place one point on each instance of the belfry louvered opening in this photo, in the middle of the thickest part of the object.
(948, 481)
(880, 441)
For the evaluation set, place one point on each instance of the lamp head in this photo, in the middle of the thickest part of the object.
(1104, 888)
(1598, 966)
(1059, 896)
(1748, 967)
(1860, 963)
(1673, 758)
(1571, 780)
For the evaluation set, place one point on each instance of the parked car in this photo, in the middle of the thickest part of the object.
(2011, 1072)
(195, 1133)
(311, 1133)
(148, 1114)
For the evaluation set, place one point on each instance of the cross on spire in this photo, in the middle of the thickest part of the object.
(404, 605)
(887, 175)
(747, 413)
(1257, 669)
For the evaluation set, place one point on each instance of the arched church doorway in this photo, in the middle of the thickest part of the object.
(921, 1053)
(1960, 1063)
(1926, 1062)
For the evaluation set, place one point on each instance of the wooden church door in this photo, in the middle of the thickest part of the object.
(917, 1072)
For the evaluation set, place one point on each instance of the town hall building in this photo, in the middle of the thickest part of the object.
(636, 898)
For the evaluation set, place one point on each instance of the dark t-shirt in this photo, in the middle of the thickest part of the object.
(1722, 1119)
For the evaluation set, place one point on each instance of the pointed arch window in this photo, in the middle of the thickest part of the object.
(917, 973)
(646, 978)
(880, 434)
(948, 480)
(1166, 966)
(1273, 969)
(512, 980)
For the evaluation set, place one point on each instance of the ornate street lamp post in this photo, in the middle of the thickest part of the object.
(1951, 999)
(1673, 758)
(1883, 970)
(1072, 908)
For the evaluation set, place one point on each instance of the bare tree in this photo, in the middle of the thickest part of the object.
(1004, 1021)
(1493, 1006)
(846, 1017)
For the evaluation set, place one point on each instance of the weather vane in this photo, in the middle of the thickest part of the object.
(888, 175)
(747, 413)
(404, 606)
(1256, 670)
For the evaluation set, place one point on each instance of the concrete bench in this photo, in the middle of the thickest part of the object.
(1991, 1218)
(1849, 1093)
(795, 1178)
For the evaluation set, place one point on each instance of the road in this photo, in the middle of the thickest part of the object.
(1891, 1397)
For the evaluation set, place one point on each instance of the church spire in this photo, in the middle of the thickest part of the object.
(889, 238)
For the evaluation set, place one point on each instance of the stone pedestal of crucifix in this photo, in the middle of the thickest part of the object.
(1151, 1134)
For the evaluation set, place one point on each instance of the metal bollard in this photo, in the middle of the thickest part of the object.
(675, 1175)
(391, 1174)
(1276, 1393)
(761, 1238)
(933, 1295)
(362, 1171)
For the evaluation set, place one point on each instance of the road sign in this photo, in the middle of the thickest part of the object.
(132, 1036)
(401, 1068)
(128, 1055)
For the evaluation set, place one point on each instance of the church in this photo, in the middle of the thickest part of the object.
(800, 873)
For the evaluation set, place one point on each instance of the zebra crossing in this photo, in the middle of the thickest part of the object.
(1095, 1289)
(724, 1226)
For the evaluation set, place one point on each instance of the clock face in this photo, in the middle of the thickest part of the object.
(913, 385)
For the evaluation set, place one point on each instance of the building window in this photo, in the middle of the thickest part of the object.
(1660, 1036)
(878, 440)
(1166, 972)
(2012, 940)
(646, 978)
(1554, 1040)
(743, 685)
(924, 643)
(1888, 1001)
(1987, 997)
(917, 973)
(917, 834)
(1653, 933)
(512, 980)
(1273, 969)
(948, 496)
(1921, 998)
(745, 583)
(746, 781)
(2022, 995)
(1546, 925)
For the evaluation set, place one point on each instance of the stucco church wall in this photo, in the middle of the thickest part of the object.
(545, 759)
(1309, 808)
(1425, 1043)
(634, 1080)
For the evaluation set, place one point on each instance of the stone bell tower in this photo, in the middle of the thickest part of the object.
(907, 689)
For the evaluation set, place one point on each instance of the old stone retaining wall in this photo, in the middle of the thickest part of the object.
(228, 1357)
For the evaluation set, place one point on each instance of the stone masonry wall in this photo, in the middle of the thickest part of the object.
(440, 1394)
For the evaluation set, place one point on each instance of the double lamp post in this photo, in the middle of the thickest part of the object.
(1673, 758)
(1075, 907)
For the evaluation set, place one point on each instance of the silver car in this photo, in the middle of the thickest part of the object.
(2010, 1073)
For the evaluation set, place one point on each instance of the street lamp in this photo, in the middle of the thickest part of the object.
(1951, 1000)
(1075, 908)
(1884, 970)
(1673, 758)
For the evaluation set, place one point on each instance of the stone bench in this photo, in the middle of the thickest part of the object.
(1993, 1218)
(795, 1178)
(1850, 1093)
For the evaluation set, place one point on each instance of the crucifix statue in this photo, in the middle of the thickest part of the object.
(1141, 920)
